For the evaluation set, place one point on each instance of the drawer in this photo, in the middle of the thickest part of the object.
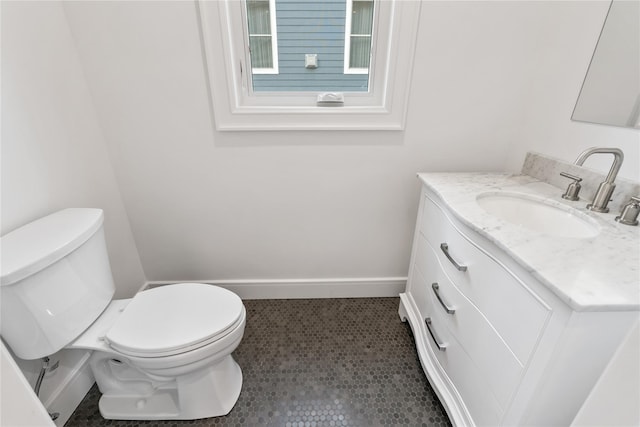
(464, 374)
(500, 367)
(417, 287)
(512, 309)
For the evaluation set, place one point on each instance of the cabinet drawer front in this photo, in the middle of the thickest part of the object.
(454, 361)
(418, 288)
(494, 359)
(515, 313)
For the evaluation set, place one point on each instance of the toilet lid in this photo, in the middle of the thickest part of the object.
(171, 319)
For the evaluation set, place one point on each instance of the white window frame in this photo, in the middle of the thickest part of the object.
(347, 41)
(236, 107)
(274, 42)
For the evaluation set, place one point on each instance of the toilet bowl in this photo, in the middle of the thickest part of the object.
(166, 353)
(163, 354)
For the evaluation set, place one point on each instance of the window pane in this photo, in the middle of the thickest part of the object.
(283, 32)
(360, 48)
(258, 17)
(261, 54)
(362, 17)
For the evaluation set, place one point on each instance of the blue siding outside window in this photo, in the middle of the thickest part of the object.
(311, 27)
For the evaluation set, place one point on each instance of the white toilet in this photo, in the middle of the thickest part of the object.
(163, 354)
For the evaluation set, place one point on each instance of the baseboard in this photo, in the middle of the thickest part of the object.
(71, 390)
(306, 288)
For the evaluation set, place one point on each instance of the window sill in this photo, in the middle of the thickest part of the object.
(308, 118)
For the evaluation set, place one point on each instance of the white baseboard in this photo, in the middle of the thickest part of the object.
(71, 390)
(306, 288)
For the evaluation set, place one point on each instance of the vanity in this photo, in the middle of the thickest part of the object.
(516, 298)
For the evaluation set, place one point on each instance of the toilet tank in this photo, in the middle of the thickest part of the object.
(55, 280)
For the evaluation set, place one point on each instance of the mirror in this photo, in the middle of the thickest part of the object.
(610, 93)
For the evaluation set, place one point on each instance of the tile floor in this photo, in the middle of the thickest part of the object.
(319, 362)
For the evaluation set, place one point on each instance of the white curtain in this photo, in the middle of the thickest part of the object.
(361, 24)
(259, 33)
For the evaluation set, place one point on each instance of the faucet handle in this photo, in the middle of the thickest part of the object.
(629, 214)
(574, 188)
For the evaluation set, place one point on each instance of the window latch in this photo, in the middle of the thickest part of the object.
(330, 99)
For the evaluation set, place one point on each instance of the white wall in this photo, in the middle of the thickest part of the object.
(19, 405)
(570, 36)
(492, 80)
(53, 149)
(613, 401)
(206, 205)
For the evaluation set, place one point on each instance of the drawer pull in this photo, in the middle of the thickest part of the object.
(441, 347)
(445, 249)
(448, 309)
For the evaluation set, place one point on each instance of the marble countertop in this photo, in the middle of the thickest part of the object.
(601, 273)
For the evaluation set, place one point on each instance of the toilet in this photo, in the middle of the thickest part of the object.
(163, 354)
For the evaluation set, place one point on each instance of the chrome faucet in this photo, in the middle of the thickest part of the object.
(605, 189)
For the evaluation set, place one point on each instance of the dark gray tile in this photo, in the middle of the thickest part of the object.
(319, 362)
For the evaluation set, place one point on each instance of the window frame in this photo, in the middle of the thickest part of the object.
(274, 41)
(347, 39)
(235, 107)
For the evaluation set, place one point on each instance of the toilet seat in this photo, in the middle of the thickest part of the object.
(175, 319)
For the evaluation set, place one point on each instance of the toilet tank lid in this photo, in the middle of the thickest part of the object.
(38, 244)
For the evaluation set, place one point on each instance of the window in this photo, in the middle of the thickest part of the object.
(311, 45)
(263, 41)
(381, 42)
(357, 39)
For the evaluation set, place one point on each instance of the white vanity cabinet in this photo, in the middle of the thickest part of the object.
(497, 345)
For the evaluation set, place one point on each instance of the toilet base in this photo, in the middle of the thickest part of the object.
(204, 393)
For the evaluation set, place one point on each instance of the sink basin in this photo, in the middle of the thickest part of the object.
(537, 214)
